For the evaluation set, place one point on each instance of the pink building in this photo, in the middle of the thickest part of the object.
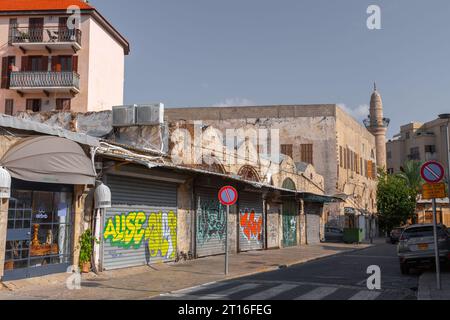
(52, 60)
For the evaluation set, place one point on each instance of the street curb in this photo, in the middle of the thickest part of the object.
(262, 270)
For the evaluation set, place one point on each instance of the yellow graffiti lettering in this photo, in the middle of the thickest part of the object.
(127, 230)
(161, 234)
(140, 232)
(110, 231)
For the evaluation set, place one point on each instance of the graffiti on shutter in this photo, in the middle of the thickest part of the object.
(251, 222)
(289, 224)
(251, 230)
(211, 220)
(138, 237)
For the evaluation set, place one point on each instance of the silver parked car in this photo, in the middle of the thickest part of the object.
(416, 246)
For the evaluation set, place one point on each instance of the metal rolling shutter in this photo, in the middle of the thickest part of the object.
(289, 222)
(211, 219)
(313, 229)
(154, 208)
(251, 222)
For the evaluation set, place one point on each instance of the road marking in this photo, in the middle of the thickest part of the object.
(237, 289)
(270, 293)
(366, 295)
(317, 294)
(219, 295)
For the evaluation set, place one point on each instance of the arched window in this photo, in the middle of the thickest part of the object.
(249, 173)
(289, 184)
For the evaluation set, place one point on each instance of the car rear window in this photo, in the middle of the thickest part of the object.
(422, 232)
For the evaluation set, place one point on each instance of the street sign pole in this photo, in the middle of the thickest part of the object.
(226, 240)
(436, 246)
(433, 173)
(228, 196)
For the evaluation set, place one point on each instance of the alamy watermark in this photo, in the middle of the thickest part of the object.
(208, 145)
(374, 281)
(374, 19)
(73, 282)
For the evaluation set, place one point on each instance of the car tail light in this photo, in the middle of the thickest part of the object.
(403, 237)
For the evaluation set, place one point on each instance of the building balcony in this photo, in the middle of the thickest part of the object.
(373, 123)
(50, 39)
(47, 82)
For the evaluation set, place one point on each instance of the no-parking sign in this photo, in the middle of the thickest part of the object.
(432, 172)
(228, 196)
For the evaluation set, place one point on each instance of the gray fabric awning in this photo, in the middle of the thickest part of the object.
(49, 159)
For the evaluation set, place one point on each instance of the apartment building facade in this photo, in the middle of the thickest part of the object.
(54, 57)
(420, 142)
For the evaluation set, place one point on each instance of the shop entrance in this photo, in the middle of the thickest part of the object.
(38, 238)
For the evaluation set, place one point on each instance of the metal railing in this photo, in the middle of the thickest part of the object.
(44, 35)
(45, 79)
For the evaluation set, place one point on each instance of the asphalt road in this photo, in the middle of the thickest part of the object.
(340, 277)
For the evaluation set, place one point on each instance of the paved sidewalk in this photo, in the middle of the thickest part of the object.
(150, 281)
(428, 290)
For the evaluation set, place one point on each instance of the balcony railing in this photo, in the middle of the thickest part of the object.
(369, 123)
(45, 80)
(44, 35)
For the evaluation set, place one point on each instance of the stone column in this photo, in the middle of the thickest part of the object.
(80, 195)
(4, 204)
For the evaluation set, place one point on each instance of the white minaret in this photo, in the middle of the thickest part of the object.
(378, 125)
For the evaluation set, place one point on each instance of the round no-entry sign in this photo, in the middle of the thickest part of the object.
(432, 172)
(228, 196)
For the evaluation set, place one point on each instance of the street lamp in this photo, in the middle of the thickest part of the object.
(446, 116)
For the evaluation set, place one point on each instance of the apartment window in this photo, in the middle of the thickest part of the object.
(430, 149)
(34, 105)
(390, 171)
(9, 107)
(12, 30)
(36, 29)
(35, 63)
(8, 65)
(408, 135)
(361, 168)
(389, 155)
(414, 153)
(63, 104)
(65, 63)
(341, 157)
(307, 153)
(287, 150)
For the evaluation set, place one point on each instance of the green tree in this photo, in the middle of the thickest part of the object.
(411, 174)
(396, 201)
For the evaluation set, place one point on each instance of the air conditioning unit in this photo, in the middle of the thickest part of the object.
(149, 115)
(124, 116)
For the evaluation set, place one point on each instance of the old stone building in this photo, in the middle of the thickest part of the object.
(320, 138)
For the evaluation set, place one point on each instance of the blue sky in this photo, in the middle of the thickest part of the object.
(210, 52)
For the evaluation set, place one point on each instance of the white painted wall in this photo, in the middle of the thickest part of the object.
(106, 69)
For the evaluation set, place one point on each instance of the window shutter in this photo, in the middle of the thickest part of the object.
(75, 64)
(25, 66)
(44, 63)
(56, 66)
(4, 84)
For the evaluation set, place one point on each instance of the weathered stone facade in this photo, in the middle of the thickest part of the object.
(325, 129)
